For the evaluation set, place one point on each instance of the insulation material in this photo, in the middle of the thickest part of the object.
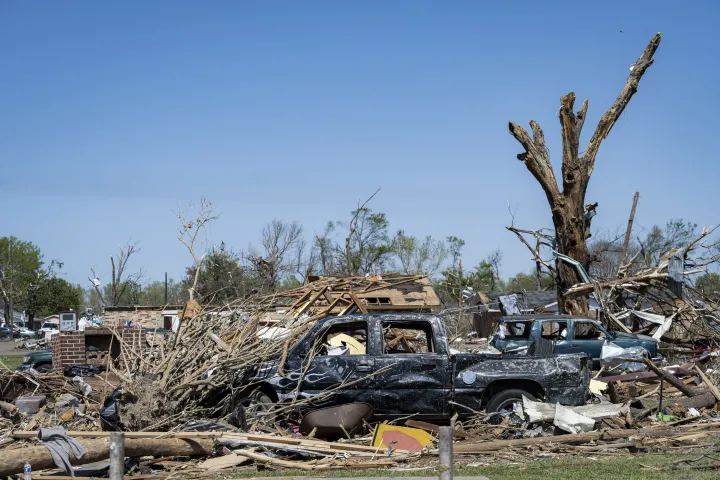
(343, 340)
(570, 421)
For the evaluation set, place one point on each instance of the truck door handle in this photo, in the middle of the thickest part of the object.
(428, 366)
(363, 367)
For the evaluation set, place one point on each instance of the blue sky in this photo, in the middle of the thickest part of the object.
(113, 114)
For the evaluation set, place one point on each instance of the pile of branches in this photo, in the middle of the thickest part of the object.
(197, 370)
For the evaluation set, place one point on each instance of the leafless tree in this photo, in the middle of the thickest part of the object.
(193, 220)
(571, 215)
(283, 251)
(121, 282)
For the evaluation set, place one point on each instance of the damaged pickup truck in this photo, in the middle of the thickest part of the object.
(401, 365)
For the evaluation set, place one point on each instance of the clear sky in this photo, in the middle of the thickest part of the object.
(114, 113)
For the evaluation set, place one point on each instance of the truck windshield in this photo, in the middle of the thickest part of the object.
(52, 326)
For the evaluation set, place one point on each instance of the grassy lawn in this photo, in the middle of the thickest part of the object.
(10, 361)
(588, 468)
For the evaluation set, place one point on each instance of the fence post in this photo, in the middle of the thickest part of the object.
(117, 455)
(446, 453)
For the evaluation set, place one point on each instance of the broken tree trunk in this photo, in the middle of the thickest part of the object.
(571, 217)
(97, 450)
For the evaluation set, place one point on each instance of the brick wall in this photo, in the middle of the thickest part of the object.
(68, 349)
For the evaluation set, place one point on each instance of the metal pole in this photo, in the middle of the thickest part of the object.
(446, 453)
(117, 455)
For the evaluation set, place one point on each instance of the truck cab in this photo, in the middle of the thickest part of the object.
(568, 333)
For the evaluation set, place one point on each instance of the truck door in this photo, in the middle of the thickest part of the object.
(587, 337)
(557, 331)
(338, 360)
(412, 371)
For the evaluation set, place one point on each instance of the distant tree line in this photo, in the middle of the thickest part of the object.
(284, 256)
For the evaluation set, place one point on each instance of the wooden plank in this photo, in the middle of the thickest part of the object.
(431, 427)
(312, 300)
(302, 298)
(713, 389)
(357, 302)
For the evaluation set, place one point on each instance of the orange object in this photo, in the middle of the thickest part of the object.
(401, 438)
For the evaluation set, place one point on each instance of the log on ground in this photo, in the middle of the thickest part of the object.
(98, 450)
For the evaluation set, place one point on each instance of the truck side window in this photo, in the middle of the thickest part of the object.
(345, 339)
(588, 331)
(554, 330)
(517, 330)
(406, 338)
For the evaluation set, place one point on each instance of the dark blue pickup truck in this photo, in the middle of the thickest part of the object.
(569, 334)
(401, 365)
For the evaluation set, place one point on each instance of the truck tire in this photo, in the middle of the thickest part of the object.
(256, 407)
(506, 398)
(44, 367)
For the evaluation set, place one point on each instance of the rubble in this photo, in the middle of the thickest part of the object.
(169, 400)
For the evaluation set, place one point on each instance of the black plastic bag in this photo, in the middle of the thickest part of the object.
(110, 411)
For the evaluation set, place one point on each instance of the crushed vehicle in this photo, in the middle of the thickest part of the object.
(568, 334)
(401, 365)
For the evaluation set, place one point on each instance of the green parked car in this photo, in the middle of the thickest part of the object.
(40, 361)
(568, 333)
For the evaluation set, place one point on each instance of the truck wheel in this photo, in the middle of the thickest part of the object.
(258, 407)
(504, 400)
(44, 368)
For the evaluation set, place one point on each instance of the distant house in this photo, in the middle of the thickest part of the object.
(153, 317)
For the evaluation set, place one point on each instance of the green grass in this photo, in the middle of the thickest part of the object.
(10, 361)
(587, 468)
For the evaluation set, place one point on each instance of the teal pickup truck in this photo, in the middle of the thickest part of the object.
(569, 334)
(40, 361)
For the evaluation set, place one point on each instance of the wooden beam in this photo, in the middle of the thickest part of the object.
(713, 389)
(357, 302)
(312, 300)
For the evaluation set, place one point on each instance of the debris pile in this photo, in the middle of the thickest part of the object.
(175, 399)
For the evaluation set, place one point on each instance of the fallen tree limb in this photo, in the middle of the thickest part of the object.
(672, 379)
(97, 450)
(708, 383)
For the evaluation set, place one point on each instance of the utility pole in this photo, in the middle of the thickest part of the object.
(166, 289)
(460, 290)
(626, 243)
(10, 321)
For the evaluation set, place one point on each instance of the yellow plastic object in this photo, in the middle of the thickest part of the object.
(598, 387)
(341, 339)
(402, 438)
